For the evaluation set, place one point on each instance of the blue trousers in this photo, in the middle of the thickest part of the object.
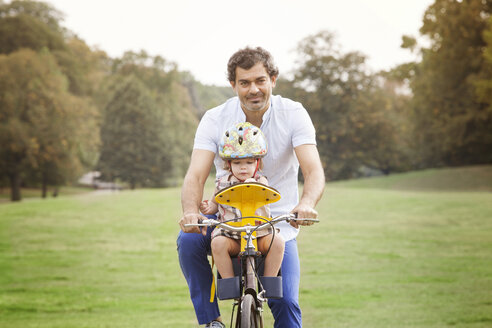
(193, 249)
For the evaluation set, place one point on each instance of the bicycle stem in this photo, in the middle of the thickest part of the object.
(249, 253)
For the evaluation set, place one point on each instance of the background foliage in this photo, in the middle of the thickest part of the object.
(133, 118)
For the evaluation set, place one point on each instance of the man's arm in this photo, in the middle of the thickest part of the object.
(192, 190)
(314, 182)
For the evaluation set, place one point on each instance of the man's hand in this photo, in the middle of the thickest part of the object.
(192, 218)
(303, 212)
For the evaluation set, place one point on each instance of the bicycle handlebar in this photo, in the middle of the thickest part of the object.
(263, 226)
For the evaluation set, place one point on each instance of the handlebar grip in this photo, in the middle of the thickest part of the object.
(296, 216)
(313, 220)
(202, 223)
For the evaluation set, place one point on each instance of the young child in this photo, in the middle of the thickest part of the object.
(242, 148)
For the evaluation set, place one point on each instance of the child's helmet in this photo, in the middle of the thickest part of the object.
(243, 140)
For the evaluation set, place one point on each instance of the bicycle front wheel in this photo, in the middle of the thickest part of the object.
(249, 313)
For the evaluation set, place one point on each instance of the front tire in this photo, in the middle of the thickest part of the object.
(249, 316)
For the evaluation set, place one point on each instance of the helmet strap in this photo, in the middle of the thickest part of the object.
(257, 166)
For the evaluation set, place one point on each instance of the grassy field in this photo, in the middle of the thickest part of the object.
(390, 252)
(29, 193)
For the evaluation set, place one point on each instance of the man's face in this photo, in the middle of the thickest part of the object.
(254, 87)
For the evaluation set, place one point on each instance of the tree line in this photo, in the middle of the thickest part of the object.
(67, 108)
(433, 112)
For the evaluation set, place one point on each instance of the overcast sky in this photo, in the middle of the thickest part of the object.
(201, 35)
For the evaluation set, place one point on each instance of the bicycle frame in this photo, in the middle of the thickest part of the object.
(248, 197)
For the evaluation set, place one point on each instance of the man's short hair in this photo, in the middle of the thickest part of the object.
(247, 58)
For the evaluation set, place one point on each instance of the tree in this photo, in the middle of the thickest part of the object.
(452, 124)
(84, 68)
(180, 124)
(484, 84)
(67, 142)
(35, 25)
(42, 11)
(204, 97)
(42, 126)
(354, 117)
(171, 98)
(333, 81)
(134, 148)
(30, 24)
(388, 145)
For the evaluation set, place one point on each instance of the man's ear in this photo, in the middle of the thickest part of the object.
(233, 85)
(274, 81)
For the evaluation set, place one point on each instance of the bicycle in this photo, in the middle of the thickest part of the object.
(248, 197)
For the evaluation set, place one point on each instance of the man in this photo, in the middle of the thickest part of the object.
(291, 139)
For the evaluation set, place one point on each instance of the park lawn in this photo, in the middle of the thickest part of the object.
(33, 193)
(97, 260)
(381, 257)
(384, 258)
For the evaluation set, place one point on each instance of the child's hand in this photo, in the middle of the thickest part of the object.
(207, 207)
(204, 206)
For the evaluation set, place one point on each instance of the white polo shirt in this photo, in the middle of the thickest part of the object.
(286, 125)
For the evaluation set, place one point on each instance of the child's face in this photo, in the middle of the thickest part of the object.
(243, 168)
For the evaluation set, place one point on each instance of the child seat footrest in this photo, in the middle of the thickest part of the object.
(272, 286)
(228, 288)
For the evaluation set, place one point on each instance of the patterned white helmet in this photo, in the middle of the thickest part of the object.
(243, 140)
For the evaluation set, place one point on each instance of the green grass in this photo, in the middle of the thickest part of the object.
(29, 193)
(381, 257)
(92, 261)
(399, 259)
(472, 178)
